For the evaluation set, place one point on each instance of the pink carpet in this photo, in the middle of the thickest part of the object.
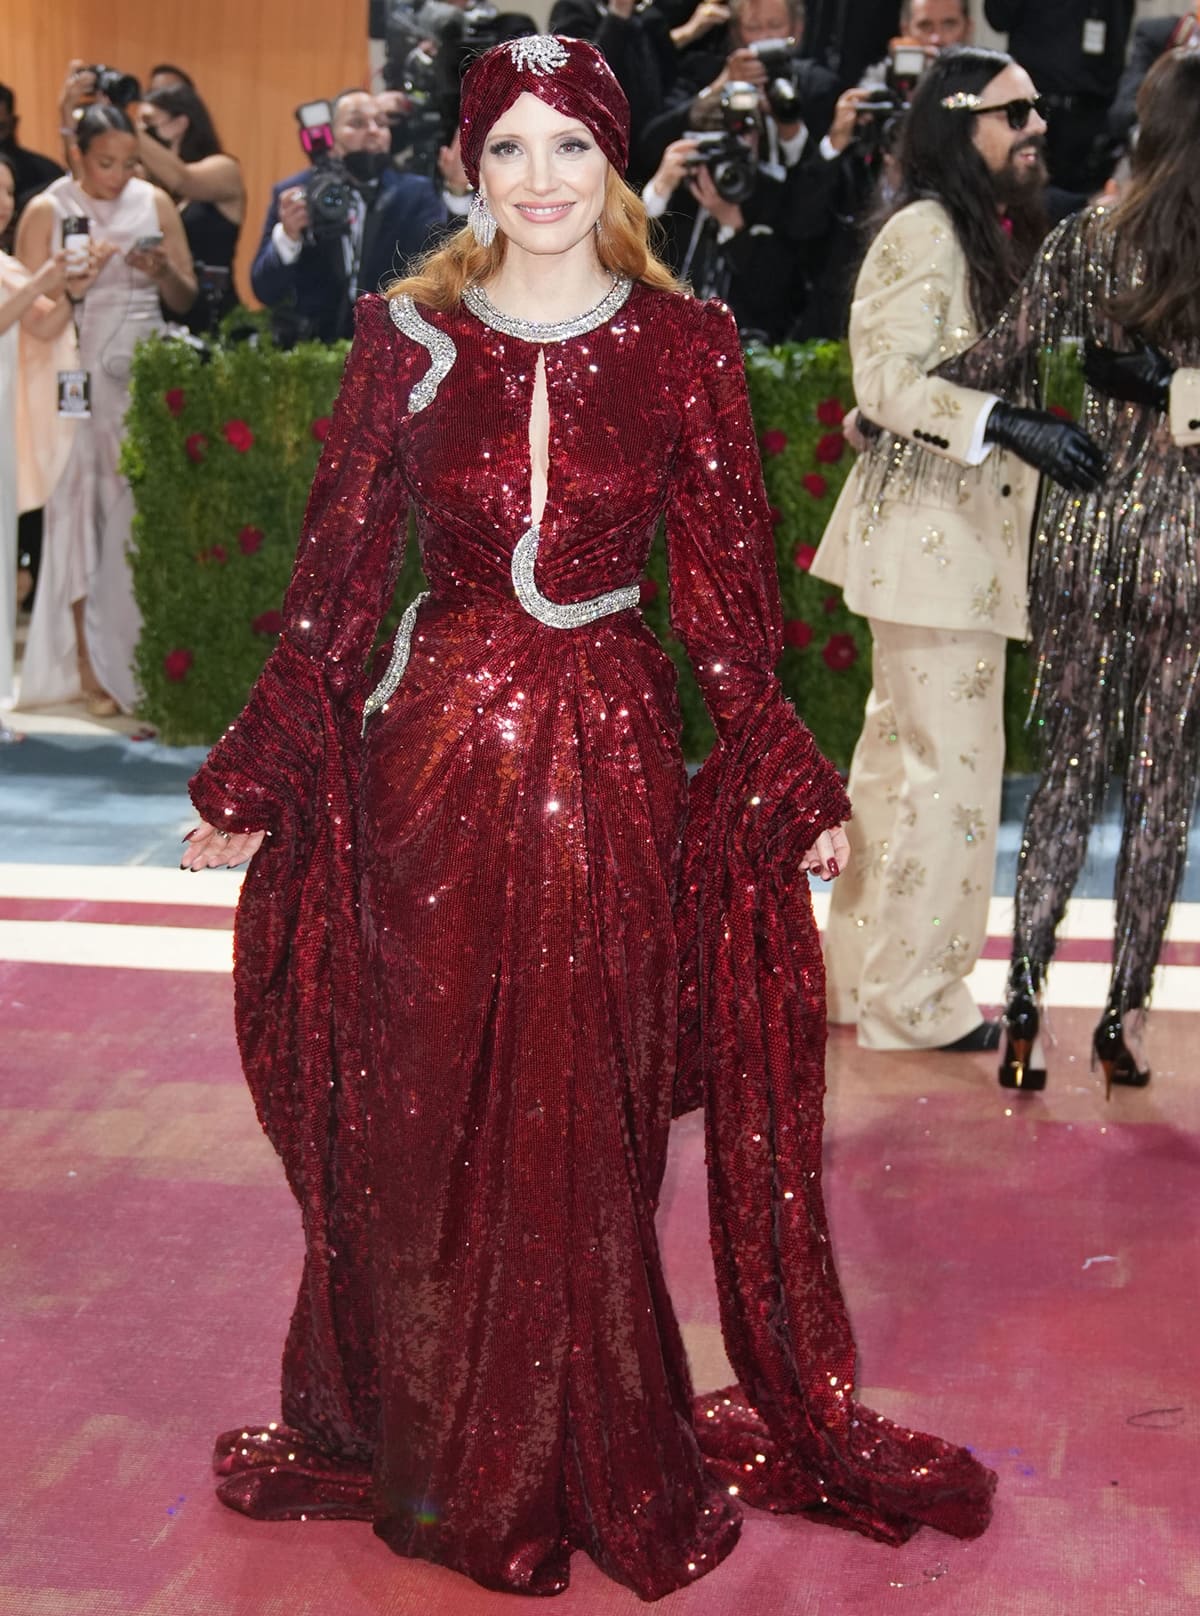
(1023, 1277)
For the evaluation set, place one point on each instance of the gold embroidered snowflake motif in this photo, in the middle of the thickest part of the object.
(968, 888)
(970, 758)
(970, 821)
(953, 959)
(976, 684)
(911, 372)
(933, 546)
(894, 262)
(928, 1010)
(1008, 529)
(985, 601)
(875, 858)
(906, 879)
(945, 406)
(885, 724)
(880, 342)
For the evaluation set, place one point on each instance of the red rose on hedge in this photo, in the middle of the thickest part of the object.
(1063, 415)
(804, 556)
(815, 484)
(238, 435)
(219, 554)
(831, 448)
(831, 412)
(320, 428)
(648, 590)
(250, 540)
(774, 441)
(839, 652)
(175, 399)
(268, 623)
(196, 447)
(797, 632)
(775, 514)
(177, 664)
(830, 604)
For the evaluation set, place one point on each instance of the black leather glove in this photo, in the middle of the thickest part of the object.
(1059, 448)
(1142, 376)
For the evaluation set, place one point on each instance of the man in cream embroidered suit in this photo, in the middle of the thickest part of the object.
(929, 541)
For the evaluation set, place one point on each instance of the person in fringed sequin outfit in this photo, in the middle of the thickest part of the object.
(1115, 585)
(476, 941)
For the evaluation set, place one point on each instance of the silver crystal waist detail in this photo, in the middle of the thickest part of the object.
(576, 613)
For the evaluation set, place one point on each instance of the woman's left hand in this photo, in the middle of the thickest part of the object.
(206, 848)
(828, 855)
(152, 261)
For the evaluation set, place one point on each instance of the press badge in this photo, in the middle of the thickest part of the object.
(74, 394)
(1095, 36)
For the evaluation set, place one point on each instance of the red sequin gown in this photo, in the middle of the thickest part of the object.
(488, 950)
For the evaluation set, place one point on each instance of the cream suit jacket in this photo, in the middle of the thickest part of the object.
(1185, 408)
(931, 529)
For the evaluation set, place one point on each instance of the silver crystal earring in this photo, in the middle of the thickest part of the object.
(481, 220)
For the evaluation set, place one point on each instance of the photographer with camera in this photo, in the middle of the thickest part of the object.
(725, 219)
(741, 187)
(637, 45)
(860, 144)
(342, 226)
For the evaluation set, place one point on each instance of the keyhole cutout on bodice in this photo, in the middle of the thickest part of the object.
(539, 442)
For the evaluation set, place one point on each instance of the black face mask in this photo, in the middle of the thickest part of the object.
(365, 168)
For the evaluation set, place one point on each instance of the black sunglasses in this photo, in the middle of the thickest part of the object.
(1017, 112)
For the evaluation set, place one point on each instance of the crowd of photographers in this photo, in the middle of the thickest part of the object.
(761, 140)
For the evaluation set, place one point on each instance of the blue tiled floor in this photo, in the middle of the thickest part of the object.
(70, 799)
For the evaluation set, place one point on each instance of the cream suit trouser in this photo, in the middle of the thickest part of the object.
(909, 917)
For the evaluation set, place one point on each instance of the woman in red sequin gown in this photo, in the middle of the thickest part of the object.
(488, 949)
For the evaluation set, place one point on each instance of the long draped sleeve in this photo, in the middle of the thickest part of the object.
(790, 1436)
(290, 765)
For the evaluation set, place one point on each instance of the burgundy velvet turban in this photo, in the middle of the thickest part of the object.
(567, 74)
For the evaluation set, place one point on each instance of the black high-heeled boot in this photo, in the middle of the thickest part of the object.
(1114, 1054)
(1021, 1022)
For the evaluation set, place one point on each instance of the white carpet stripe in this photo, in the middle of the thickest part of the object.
(121, 883)
(142, 948)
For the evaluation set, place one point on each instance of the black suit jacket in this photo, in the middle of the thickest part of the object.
(312, 294)
(1150, 40)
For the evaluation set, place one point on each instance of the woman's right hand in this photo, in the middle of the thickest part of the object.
(207, 848)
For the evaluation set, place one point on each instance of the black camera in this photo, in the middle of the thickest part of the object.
(877, 122)
(778, 58)
(330, 193)
(731, 157)
(120, 88)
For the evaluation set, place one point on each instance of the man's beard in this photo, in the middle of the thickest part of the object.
(1016, 185)
(1020, 193)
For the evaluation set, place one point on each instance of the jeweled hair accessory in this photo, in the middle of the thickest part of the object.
(567, 74)
(962, 101)
(541, 53)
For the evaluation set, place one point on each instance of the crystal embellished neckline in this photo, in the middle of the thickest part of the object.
(539, 331)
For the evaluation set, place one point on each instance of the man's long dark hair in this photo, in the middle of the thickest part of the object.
(939, 162)
(1158, 218)
(200, 138)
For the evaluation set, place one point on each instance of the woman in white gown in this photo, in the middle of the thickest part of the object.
(35, 342)
(85, 622)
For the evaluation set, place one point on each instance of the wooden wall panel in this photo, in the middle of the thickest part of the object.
(252, 60)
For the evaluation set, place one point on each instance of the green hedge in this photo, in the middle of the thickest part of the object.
(221, 449)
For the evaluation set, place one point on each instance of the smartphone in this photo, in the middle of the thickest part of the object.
(145, 243)
(75, 233)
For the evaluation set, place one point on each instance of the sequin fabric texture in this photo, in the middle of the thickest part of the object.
(492, 947)
(1114, 623)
